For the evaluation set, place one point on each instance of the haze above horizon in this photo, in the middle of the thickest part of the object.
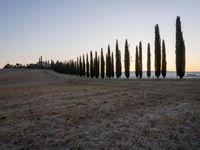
(63, 30)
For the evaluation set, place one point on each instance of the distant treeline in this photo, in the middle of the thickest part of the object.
(39, 65)
(98, 66)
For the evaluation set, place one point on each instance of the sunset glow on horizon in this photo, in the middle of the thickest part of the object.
(63, 30)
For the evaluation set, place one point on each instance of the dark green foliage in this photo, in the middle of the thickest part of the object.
(60, 67)
(112, 66)
(148, 61)
(157, 52)
(164, 62)
(97, 74)
(75, 69)
(83, 69)
(136, 63)
(118, 61)
(52, 64)
(127, 60)
(180, 50)
(40, 62)
(102, 65)
(108, 63)
(87, 66)
(91, 65)
(140, 60)
(69, 67)
(95, 63)
(9, 66)
(96, 70)
(78, 67)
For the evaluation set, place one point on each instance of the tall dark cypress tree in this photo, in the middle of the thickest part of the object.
(102, 64)
(78, 67)
(107, 66)
(118, 61)
(140, 60)
(96, 65)
(83, 65)
(52, 64)
(127, 60)
(91, 65)
(75, 69)
(136, 63)
(69, 66)
(148, 61)
(164, 62)
(109, 63)
(87, 66)
(112, 66)
(157, 52)
(180, 50)
(97, 74)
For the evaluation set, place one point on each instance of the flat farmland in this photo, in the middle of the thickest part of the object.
(40, 109)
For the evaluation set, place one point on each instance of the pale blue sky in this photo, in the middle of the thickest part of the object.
(65, 29)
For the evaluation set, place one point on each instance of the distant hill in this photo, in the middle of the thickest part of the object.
(14, 77)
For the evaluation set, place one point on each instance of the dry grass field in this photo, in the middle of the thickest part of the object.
(40, 109)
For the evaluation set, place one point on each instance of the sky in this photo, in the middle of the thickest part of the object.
(65, 29)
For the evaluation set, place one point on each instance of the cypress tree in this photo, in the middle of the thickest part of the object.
(112, 66)
(74, 68)
(148, 61)
(102, 64)
(109, 63)
(96, 65)
(40, 62)
(78, 67)
(127, 60)
(164, 62)
(180, 50)
(97, 75)
(70, 63)
(140, 60)
(87, 66)
(118, 61)
(83, 65)
(69, 67)
(91, 65)
(52, 64)
(157, 52)
(136, 63)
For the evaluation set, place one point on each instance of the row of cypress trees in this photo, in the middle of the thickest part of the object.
(97, 65)
(160, 65)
